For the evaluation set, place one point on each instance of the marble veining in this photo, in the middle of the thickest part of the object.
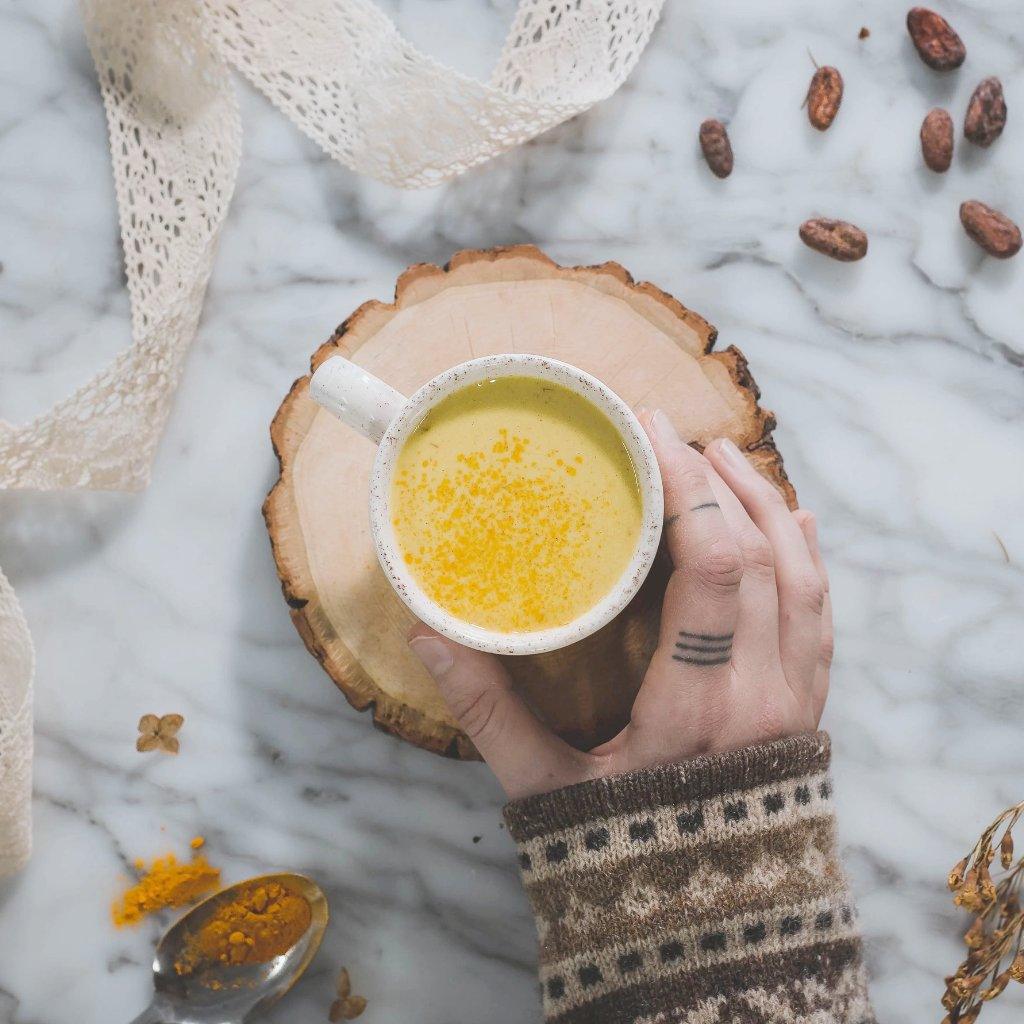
(898, 386)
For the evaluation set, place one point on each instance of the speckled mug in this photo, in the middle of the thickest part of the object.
(387, 418)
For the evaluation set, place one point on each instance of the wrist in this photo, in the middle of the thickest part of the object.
(666, 786)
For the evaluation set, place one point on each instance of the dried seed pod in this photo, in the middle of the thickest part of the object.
(1017, 968)
(344, 985)
(963, 987)
(937, 43)
(974, 937)
(956, 876)
(714, 143)
(937, 140)
(1006, 849)
(836, 238)
(987, 886)
(992, 230)
(968, 895)
(824, 95)
(354, 1007)
(986, 113)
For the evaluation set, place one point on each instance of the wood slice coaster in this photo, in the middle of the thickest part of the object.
(644, 344)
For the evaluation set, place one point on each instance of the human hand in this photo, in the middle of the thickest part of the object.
(744, 647)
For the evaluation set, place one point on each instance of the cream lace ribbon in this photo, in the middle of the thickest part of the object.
(340, 71)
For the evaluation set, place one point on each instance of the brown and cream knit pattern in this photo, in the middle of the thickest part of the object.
(707, 891)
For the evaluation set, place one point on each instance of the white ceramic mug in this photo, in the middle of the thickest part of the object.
(388, 418)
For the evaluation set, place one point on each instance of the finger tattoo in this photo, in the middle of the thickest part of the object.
(703, 648)
(707, 504)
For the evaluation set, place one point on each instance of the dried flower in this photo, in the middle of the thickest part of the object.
(354, 1007)
(986, 890)
(995, 939)
(159, 733)
(975, 935)
(956, 876)
(1017, 968)
(1006, 849)
(346, 1006)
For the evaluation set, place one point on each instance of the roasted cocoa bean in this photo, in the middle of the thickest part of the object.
(939, 46)
(714, 143)
(992, 230)
(937, 140)
(824, 96)
(836, 238)
(986, 113)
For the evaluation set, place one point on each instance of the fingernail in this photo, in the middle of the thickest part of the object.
(434, 654)
(663, 430)
(730, 453)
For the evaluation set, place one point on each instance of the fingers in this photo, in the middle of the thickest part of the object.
(685, 701)
(757, 631)
(819, 692)
(801, 591)
(526, 757)
(702, 600)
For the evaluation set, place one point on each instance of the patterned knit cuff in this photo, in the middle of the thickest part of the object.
(703, 891)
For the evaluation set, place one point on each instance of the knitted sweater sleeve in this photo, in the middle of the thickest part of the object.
(696, 893)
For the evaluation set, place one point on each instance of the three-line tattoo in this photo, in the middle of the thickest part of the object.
(703, 648)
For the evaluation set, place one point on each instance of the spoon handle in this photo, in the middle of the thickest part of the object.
(154, 1014)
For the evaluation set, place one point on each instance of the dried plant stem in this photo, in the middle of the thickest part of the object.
(995, 940)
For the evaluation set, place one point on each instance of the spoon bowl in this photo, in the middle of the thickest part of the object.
(229, 993)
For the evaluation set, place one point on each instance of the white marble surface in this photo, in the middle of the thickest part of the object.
(897, 383)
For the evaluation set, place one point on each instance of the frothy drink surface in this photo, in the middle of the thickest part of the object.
(515, 504)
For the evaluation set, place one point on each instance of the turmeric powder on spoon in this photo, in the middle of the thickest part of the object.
(259, 923)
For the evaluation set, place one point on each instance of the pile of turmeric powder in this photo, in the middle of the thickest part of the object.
(165, 883)
(258, 923)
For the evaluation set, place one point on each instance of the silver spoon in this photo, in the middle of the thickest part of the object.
(225, 993)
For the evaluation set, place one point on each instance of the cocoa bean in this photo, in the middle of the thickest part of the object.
(824, 95)
(937, 43)
(714, 143)
(836, 238)
(986, 113)
(937, 140)
(992, 230)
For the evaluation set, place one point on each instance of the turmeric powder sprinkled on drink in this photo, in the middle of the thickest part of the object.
(515, 504)
(258, 923)
(164, 883)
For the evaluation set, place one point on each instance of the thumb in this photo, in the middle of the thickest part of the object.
(525, 755)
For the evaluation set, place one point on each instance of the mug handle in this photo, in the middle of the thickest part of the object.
(356, 397)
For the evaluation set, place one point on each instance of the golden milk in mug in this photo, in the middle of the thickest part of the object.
(515, 504)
